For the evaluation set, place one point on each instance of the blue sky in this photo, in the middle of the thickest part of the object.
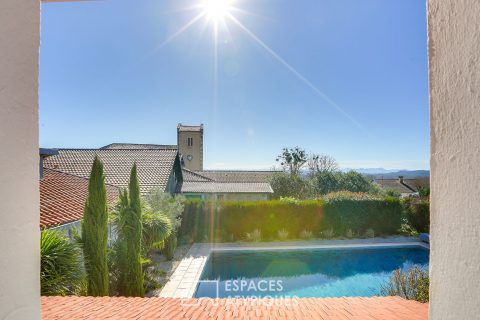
(355, 85)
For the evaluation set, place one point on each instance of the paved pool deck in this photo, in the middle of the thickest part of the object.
(376, 308)
(184, 280)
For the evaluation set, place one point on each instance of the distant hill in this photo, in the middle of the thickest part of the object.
(371, 170)
(379, 173)
(407, 174)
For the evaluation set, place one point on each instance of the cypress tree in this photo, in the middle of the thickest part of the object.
(95, 232)
(130, 237)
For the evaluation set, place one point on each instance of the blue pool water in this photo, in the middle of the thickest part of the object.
(306, 273)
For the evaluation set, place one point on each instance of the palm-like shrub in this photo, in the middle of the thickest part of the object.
(306, 234)
(328, 234)
(59, 267)
(254, 236)
(156, 229)
(162, 204)
(283, 234)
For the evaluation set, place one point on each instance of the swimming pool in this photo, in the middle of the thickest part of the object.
(332, 272)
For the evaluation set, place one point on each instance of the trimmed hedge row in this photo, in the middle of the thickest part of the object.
(383, 216)
(417, 212)
(230, 221)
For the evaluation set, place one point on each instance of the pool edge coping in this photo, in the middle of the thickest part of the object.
(184, 280)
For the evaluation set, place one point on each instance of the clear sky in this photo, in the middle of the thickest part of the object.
(343, 77)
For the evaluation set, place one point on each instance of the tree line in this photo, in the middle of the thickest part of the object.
(311, 175)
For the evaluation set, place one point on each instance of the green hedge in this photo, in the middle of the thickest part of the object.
(417, 212)
(230, 221)
(359, 212)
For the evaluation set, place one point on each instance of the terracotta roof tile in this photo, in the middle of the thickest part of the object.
(63, 196)
(376, 308)
(154, 165)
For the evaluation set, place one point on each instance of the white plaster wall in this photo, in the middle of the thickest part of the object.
(454, 62)
(19, 203)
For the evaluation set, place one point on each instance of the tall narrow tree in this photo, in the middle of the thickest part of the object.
(95, 232)
(130, 239)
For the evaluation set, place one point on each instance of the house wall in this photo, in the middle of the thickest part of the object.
(19, 174)
(69, 230)
(454, 66)
(229, 196)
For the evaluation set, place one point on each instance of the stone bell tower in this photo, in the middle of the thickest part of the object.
(190, 146)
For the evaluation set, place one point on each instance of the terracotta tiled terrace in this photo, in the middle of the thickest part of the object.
(377, 308)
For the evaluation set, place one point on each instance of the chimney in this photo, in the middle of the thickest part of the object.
(43, 154)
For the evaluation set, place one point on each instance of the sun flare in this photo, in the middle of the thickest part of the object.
(217, 9)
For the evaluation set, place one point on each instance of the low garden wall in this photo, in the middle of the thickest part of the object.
(337, 215)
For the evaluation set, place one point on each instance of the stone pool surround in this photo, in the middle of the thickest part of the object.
(184, 280)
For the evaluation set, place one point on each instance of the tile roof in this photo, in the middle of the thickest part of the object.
(138, 146)
(375, 308)
(63, 196)
(154, 165)
(225, 187)
(393, 184)
(225, 182)
(193, 176)
(237, 175)
(418, 182)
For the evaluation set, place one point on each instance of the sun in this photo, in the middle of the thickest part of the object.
(217, 9)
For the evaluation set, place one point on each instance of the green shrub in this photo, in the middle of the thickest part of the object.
(290, 186)
(411, 285)
(407, 230)
(325, 182)
(164, 203)
(59, 264)
(170, 246)
(339, 212)
(417, 212)
(424, 192)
